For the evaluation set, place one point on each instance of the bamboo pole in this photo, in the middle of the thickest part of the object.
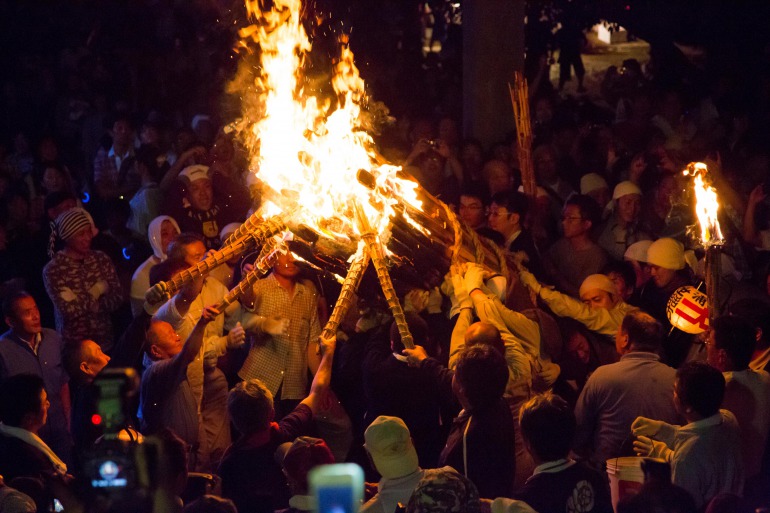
(520, 100)
(345, 299)
(264, 262)
(376, 253)
(250, 238)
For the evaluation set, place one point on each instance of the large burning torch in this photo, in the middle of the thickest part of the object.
(706, 208)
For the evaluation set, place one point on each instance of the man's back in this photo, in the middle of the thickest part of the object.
(615, 394)
(747, 396)
(250, 475)
(564, 485)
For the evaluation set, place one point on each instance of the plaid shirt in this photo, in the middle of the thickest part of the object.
(278, 360)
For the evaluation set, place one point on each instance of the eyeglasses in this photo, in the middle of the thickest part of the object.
(498, 213)
(571, 218)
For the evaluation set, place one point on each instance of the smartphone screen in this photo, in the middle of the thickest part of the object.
(336, 499)
(337, 488)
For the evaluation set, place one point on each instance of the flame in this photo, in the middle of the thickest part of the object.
(306, 152)
(706, 204)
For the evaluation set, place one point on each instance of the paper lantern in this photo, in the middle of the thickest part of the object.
(688, 310)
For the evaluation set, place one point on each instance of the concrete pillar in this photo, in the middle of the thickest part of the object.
(493, 48)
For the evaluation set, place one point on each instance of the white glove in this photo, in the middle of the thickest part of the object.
(416, 300)
(98, 289)
(275, 326)
(434, 301)
(528, 279)
(644, 446)
(474, 277)
(643, 426)
(237, 337)
(460, 292)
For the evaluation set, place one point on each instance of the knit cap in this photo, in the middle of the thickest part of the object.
(444, 490)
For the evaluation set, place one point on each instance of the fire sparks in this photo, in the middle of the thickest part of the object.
(706, 204)
(306, 151)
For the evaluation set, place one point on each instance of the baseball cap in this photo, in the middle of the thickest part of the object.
(301, 455)
(390, 445)
(195, 172)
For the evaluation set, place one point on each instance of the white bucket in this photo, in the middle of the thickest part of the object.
(626, 478)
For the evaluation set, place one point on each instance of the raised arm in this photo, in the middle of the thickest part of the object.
(323, 375)
(192, 345)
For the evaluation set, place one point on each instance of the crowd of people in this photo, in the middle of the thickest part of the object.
(519, 389)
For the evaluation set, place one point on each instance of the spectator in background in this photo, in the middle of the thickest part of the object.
(202, 210)
(622, 228)
(81, 282)
(595, 186)
(28, 348)
(575, 256)
(507, 216)
(113, 175)
(498, 176)
(545, 159)
(162, 231)
(146, 202)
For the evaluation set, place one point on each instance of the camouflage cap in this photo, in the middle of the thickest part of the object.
(444, 490)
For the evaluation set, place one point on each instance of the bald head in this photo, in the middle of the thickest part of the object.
(484, 333)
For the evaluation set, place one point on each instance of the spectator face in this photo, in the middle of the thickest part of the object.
(714, 356)
(629, 207)
(201, 194)
(168, 234)
(498, 175)
(149, 135)
(26, 317)
(624, 290)
(661, 276)
(194, 252)
(286, 266)
(95, 359)
(472, 211)
(53, 181)
(665, 192)
(121, 133)
(545, 165)
(81, 241)
(597, 298)
(572, 222)
(471, 157)
(166, 343)
(500, 220)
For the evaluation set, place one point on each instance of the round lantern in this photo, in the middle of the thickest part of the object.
(688, 310)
